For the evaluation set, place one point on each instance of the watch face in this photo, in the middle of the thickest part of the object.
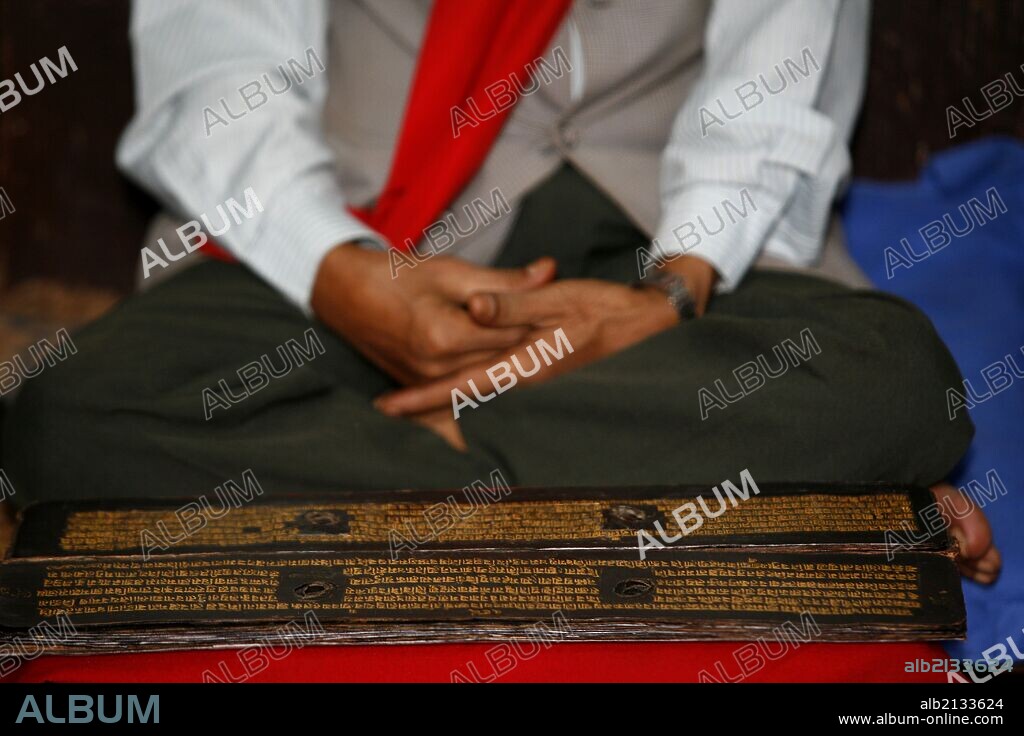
(674, 288)
(678, 295)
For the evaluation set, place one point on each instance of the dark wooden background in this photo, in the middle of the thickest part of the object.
(79, 222)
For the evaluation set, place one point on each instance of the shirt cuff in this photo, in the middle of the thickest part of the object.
(720, 224)
(301, 225)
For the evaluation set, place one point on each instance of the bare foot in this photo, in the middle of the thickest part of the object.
(979, 559)
(442, 423)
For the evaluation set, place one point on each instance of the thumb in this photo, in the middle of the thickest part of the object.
(538, 272)
(501, 280)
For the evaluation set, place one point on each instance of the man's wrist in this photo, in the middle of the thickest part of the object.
(670, 290)
(338, 276)
(699, 276)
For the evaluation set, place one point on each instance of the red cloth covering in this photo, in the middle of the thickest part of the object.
(583, 662)
(468, 49)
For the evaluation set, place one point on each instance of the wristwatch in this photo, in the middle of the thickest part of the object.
(674, 287)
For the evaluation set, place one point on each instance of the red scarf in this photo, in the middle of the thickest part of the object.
(469, 45)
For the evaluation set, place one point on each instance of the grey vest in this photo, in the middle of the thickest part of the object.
(642, 58)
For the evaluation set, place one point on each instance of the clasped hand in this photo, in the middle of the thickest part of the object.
(446, 322)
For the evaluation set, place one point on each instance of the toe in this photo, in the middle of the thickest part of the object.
(978, 558)
(984, 569)
(971, 530)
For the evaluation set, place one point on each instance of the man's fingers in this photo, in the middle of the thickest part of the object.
(516, 308)
(473, 337)
(393, 369)
(446, 367)
(436, 394)
(433, 395)
(451, 332)
(472, 279)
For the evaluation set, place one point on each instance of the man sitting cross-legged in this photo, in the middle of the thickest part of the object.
(704, 142)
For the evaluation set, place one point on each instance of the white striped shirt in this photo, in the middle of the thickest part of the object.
(788, 151)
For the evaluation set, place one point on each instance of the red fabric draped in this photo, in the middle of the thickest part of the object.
(468, 47)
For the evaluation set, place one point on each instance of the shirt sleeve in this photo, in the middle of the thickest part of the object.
(751, 133)
(229, 96)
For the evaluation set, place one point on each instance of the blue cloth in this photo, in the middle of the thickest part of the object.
(973, 290)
